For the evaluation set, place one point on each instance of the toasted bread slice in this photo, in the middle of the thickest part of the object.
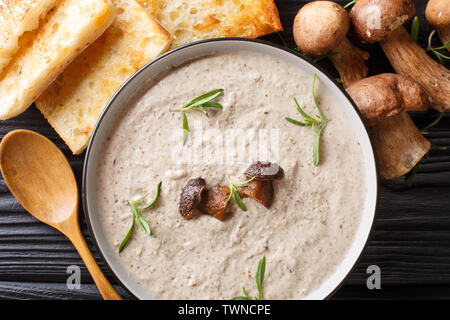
(190, 20)
(45, 52)
(74, 102)
(17, 17)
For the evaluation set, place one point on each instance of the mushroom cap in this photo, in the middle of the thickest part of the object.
(373, 20)
(386, 95)
(191, 195)
(438, 13)
(320, 26)
(263, 171)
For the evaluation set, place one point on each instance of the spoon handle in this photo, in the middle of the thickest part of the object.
(103, 285)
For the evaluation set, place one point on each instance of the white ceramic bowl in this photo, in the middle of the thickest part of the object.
(188, 52)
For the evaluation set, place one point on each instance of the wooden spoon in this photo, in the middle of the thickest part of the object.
(39, 176)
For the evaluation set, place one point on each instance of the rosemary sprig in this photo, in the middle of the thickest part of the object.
(318, 125)
(234, 193)
(350, 4)
(435, 50)
(136, 215)
(259, 282)
(200, 103)
(415, 28)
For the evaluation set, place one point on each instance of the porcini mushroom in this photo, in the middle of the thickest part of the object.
(261, 191)
(191, 195)
(382, 100)
(214, 202)
(320, 27)
(438, 15)
(264, 171)
(381, 20)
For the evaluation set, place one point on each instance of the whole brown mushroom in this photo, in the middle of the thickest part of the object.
(438, 15)
(382, 100)
(320, 27)
(381, 20)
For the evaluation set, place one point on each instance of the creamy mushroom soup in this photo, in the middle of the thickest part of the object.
(316, 210)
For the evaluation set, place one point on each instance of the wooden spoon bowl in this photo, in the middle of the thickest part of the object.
(39, 176)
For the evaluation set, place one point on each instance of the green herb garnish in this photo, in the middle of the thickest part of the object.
(415, 28)
(200, 103)
(350, 4)
(329, 54)
(435, 50)
(234, 193)
(414, 170)
(136, 215)
(433, 123)
(318, 125)
(259, 282)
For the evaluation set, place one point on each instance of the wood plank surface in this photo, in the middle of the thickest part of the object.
(410, 240)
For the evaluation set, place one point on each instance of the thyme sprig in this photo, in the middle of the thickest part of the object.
(234, 193)
(317, 124)
(136, 215)
(259, 282)
(200, 103)
(435, 50)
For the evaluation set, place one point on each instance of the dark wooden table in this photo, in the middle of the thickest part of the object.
(410, 241)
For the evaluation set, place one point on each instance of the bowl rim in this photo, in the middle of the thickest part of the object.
(195, 43)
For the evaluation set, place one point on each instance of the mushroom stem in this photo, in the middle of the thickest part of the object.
(410, 60)
(349, 62)
(399, 144)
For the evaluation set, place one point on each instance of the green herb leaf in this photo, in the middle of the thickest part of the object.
(260, 276)
(239, 201)
(322, 117)
(128, 235)
(318, 125)
(241, 298)
(437, 147)
(415, 28)
(234, 193)
(350, 4)
(185, 128)
(158, 191)
(438, 55)
(329, 54)
(204, 98)
(316, 145)
(212, 104)
(259, 282)
(432, 124)
(200, 103)
(136, 214)
(304, 114)
(298, 123)
(412, 174)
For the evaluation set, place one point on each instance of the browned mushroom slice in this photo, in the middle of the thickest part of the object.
(264, 171)
(261, 191)
(214, 202)
(191, 196)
